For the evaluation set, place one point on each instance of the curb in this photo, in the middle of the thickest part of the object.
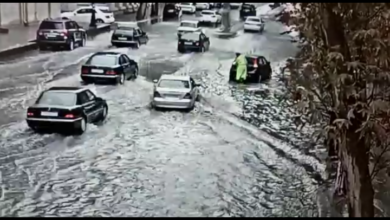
(32, 45)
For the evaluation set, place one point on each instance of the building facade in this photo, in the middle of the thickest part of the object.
(24, 13)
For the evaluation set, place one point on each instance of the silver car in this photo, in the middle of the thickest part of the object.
(178, 92)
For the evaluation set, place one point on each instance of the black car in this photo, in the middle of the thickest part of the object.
(170, 12)
(125, 35)
(60, 33)
(247, 10)
(197, 41)
(258, 69)
(109, 66)
(66, 109)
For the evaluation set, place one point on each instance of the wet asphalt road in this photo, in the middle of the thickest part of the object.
(234, 155)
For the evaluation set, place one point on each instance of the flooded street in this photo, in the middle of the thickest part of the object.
(235, 154)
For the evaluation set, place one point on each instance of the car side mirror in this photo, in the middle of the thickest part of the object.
(155, 80)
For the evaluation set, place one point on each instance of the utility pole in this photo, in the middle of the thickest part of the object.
(93, 17)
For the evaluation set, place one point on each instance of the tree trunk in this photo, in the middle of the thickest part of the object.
(360, 191)
(141, 12)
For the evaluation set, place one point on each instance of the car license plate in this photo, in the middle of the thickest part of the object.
(170, 10)
(97, 71)
(51, 35)
(122, 38)
(50, 114)
(187, 43)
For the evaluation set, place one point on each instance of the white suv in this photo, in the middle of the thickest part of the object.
(83, 15)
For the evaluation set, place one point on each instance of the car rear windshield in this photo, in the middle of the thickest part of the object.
(247, 6)
(207, 13)
(103, 60)
(174, 84)
(190, 36)
(129, 31)
(254, 19)
(57, 98)
(187, 24)
(51, 25)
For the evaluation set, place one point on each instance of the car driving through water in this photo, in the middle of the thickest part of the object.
(175, 92)
(109, 66)
(66, 109)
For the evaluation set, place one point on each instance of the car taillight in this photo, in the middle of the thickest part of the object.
(187, 96)
(255, 63)
(40, 33)
(64, 33)
(69, 116)
(197, 43)
(156, 94)
(30, 114)
(111, 72)
(84, 70)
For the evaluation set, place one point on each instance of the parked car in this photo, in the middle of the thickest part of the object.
(235, 5)
(109, 66)
(83, 15)
(258, 69)
(188, 26)
(186, 7)
(194, 41)
(209, 16)
(60, 33)
(202, 6)
(170, 11)
(247, 10)
(253, 23)
(129, 35)
(66, 109)
(176, 92)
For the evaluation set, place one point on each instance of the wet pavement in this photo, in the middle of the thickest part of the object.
(234, 155)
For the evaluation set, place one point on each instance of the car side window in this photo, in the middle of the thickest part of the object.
(75, 24)
(135, 32)
(70, 25)
(127, 59)
(262, 61)
(90, 95)
(139, 32)
(82, 11)
(122, 60)
(89, 11)
(82, 98)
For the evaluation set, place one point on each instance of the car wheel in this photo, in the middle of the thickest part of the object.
(83, 42)
(82, 126)
(135, 74)
(136, 46)
(103, 116)
(71, 45)
(99, 21)
(121, 79)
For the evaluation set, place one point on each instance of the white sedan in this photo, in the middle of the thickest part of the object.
(202, 6)
(210, 16)
(83, 15)
(186, 7)
(253, 23)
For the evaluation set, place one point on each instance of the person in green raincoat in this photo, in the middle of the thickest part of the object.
(241, 71)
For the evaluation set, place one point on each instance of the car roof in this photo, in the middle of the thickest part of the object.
(66, 89)
(189, 21)
(174, 77)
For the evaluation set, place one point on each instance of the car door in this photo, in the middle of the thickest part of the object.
(81, 15)
(263, 66)
(194, 88)
(88, 105)
(140, 37)
(69, 25)
(131, 62)
(125, 66)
